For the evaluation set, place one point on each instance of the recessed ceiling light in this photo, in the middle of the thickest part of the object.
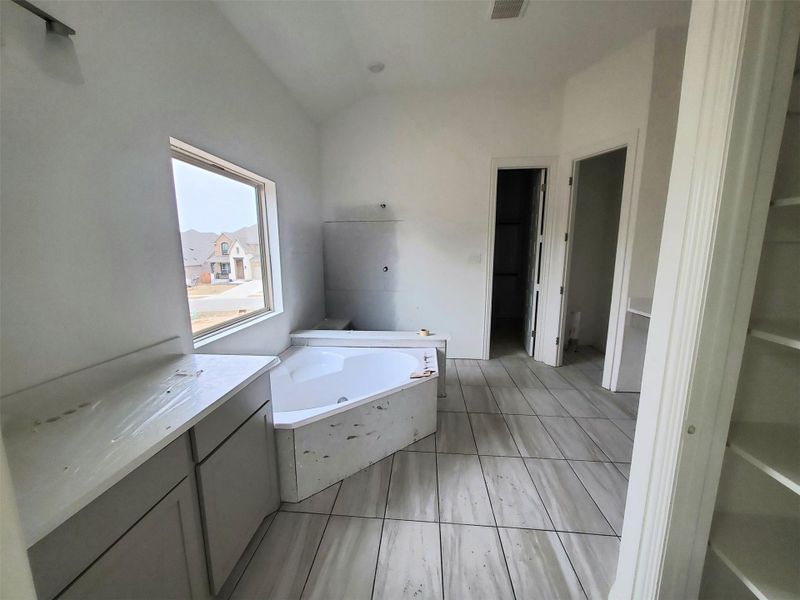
(376, 67)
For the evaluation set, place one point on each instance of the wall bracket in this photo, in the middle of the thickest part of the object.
(53, 25)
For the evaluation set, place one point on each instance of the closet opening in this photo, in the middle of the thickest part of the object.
(516, 261)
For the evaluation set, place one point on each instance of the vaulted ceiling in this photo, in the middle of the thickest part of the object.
(321, 50)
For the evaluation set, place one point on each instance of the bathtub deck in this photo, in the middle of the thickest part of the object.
(519, 494)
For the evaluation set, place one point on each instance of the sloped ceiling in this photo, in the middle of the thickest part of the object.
(321, 49)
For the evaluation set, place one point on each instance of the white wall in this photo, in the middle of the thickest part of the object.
(632, 93)
(88, 212)
(427, 157)
(594, 245)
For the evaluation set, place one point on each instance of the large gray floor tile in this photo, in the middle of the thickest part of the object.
(409, 563)
(624, 468)
(539, 566)
(511, 401)
(492, 435)
(345, 562)
(531, 437)
(595, 560)
(461, 363)
(514, 498)
(279, 567)
(576, 404)
(495, 373)
(576, 377)
(616, 445)
(321, 502)
(454, 401)
(524, 377)
(608, 488)
(454, 434)
(473, 564)
(628, 426)
(571, 439)
(613, 406)
(412, 491)
(426, 444)
(479, 399)
(544, 403)
(364, 494)
(569, 505)
(548, 376)
(451, 376)
(469, 375)
(462, 491)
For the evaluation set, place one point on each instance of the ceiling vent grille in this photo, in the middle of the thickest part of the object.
(508, 9)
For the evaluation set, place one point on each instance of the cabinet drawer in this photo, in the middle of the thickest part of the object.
(212, 431)
(238, 486)
(160, 557)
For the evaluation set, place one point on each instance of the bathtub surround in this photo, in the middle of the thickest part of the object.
(458, 523)
(339, 410)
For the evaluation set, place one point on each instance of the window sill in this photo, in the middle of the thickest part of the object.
(205, 340)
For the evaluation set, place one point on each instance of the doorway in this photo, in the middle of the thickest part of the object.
(593, 238)
(516, 260)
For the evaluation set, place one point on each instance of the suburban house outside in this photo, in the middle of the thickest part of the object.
(228, 257)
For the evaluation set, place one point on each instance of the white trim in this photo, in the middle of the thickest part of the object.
(624, 254)
(547, 163)
(723, 166)
(272, 280)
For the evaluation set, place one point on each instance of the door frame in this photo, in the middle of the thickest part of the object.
(622, 263)
(547, 163)
(735, 90)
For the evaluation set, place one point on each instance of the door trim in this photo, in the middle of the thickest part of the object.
(547, 163)
(622, 263)
(734, 96)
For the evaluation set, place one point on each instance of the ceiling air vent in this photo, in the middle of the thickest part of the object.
(508, 9)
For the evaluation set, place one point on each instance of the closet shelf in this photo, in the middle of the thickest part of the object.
(761, 551)
(774, 448)
(784, 332)
(784, 202)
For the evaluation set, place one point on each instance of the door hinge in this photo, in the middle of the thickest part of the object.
(566, 236)
(558, 339)
(570, 180)
(561, 290)
(544, 187)
(533, 334)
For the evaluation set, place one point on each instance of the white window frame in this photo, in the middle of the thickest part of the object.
(267, 216)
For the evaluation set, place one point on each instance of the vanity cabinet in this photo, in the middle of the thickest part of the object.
(237, 483)
(140, 539)
(160, 557)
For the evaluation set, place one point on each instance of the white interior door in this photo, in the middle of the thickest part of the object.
(535, 241)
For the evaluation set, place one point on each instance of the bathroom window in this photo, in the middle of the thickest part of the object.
(223, 206)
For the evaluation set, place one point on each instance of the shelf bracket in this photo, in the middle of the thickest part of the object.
(52, 24)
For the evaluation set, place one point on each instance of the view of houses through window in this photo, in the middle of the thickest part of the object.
(223, 250)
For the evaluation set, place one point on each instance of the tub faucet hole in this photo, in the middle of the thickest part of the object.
(342, 399)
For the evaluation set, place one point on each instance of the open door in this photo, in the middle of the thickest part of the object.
(535, 243)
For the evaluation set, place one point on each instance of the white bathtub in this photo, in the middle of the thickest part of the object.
(313, 382)
(339, 410)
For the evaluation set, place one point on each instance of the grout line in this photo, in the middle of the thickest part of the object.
(321, 538)
(439, 520)
(383, 526)
(253, 555)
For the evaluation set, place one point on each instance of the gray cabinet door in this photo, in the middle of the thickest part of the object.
(159, 557)
(238, 489)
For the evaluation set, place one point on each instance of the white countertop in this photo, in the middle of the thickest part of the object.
(68, 442)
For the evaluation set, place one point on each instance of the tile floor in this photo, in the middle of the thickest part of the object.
(519, 494)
